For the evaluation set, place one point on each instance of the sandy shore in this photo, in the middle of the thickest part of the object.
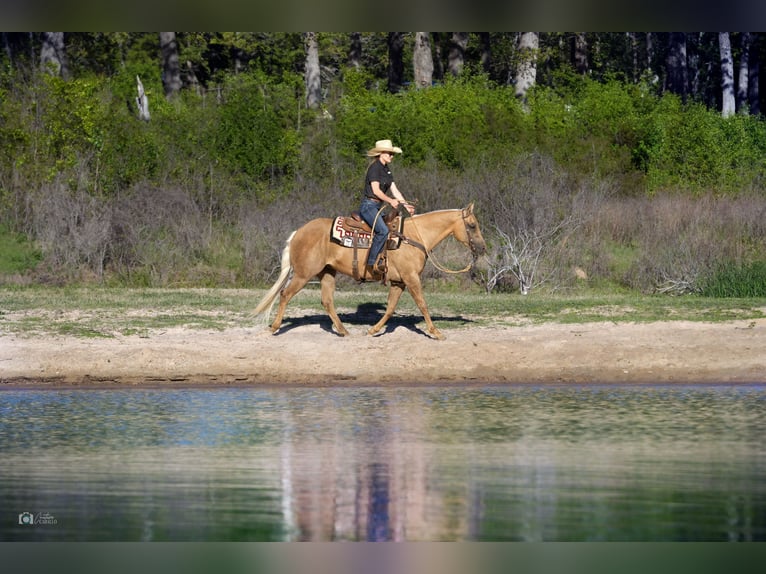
(308, 353)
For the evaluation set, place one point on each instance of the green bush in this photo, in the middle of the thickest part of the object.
(17, 254)
(732, 280)
(451, 123)
(695, 149)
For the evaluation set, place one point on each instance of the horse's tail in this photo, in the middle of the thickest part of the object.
(268, 299)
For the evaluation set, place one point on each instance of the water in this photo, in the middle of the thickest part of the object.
(482, 463)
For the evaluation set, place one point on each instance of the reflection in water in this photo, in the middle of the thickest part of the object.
(505, 463)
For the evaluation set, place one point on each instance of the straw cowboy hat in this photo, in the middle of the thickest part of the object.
(383, 145)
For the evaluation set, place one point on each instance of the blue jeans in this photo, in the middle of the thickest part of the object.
(368, 210)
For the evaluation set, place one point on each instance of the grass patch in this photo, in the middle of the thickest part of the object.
(108, 312)
(17, 254)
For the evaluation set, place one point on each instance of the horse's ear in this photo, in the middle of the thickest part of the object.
(469, 209)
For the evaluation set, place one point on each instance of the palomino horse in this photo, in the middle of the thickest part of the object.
(309, 253)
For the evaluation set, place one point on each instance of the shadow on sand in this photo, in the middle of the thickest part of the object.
(367, 314)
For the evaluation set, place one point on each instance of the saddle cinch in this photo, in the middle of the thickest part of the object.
(353, 232)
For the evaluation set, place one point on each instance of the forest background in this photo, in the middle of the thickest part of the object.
(618, 161)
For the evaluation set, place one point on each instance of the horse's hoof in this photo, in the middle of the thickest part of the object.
(437, 335)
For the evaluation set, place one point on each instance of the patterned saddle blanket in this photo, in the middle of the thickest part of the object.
(352, 231)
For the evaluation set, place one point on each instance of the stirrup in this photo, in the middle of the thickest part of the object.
(381, 265)
(372, 273)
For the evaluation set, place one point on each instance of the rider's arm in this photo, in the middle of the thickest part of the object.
(398, 195)
(383, 197)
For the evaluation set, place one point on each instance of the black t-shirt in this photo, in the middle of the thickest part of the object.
(380, 173)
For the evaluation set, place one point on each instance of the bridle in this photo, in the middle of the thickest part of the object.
(430, 255)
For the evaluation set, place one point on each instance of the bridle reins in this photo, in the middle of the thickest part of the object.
(430, 256)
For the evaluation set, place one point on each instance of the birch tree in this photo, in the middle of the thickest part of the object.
(171, 70)
(422, 60)
(142, 101)
(312, 77)
(727, 75)
(526, 73)
(53, 54)
(743, 77)
(456, 57)
(753, 92)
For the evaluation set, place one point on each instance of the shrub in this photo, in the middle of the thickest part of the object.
(733, 280)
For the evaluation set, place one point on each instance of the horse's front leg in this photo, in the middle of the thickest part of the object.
(394, 293)
(416, 290)
(327, 280)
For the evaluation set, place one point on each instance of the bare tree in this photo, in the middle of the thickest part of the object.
(171, 70)
(744, 75)
(142, 101)
(422, 60)
(486, 51)
(53, 54)
(677, 71)
(395, 61)
(355, 50)
(533, 221)
(580, 53)
(456, 57)
(312, 78)
(526, 73)
(753, 92)
(727, 75)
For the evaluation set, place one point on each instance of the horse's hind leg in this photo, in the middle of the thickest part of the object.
(327, 280)
(296, 284)
(394, 293)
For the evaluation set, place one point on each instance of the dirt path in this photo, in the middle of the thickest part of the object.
(306, 353)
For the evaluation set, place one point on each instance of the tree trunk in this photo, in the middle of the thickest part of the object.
(313, 78)
(438, 59)
(53, 54)
(753, 91)
(456, 58)
(395, 61)
(422, 60)
(526, 73)
(650, 57)
(171, 69)
(580, 53)
(486, 52)
(694, 44)
(744, 75)
(142, 102)
(633, 43)
(727, 75)
(677, 78)
(355, 50)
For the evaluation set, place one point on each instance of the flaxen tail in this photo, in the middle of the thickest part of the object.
(268, 300)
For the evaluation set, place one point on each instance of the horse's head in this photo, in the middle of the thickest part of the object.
(470, 234)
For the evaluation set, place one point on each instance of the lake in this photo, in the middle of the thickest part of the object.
(405, 463)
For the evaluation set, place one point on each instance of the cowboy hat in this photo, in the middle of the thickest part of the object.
(383, 145)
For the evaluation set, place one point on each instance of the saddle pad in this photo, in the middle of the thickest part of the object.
(344, 236)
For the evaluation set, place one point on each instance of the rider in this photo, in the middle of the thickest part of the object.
(378, 182)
